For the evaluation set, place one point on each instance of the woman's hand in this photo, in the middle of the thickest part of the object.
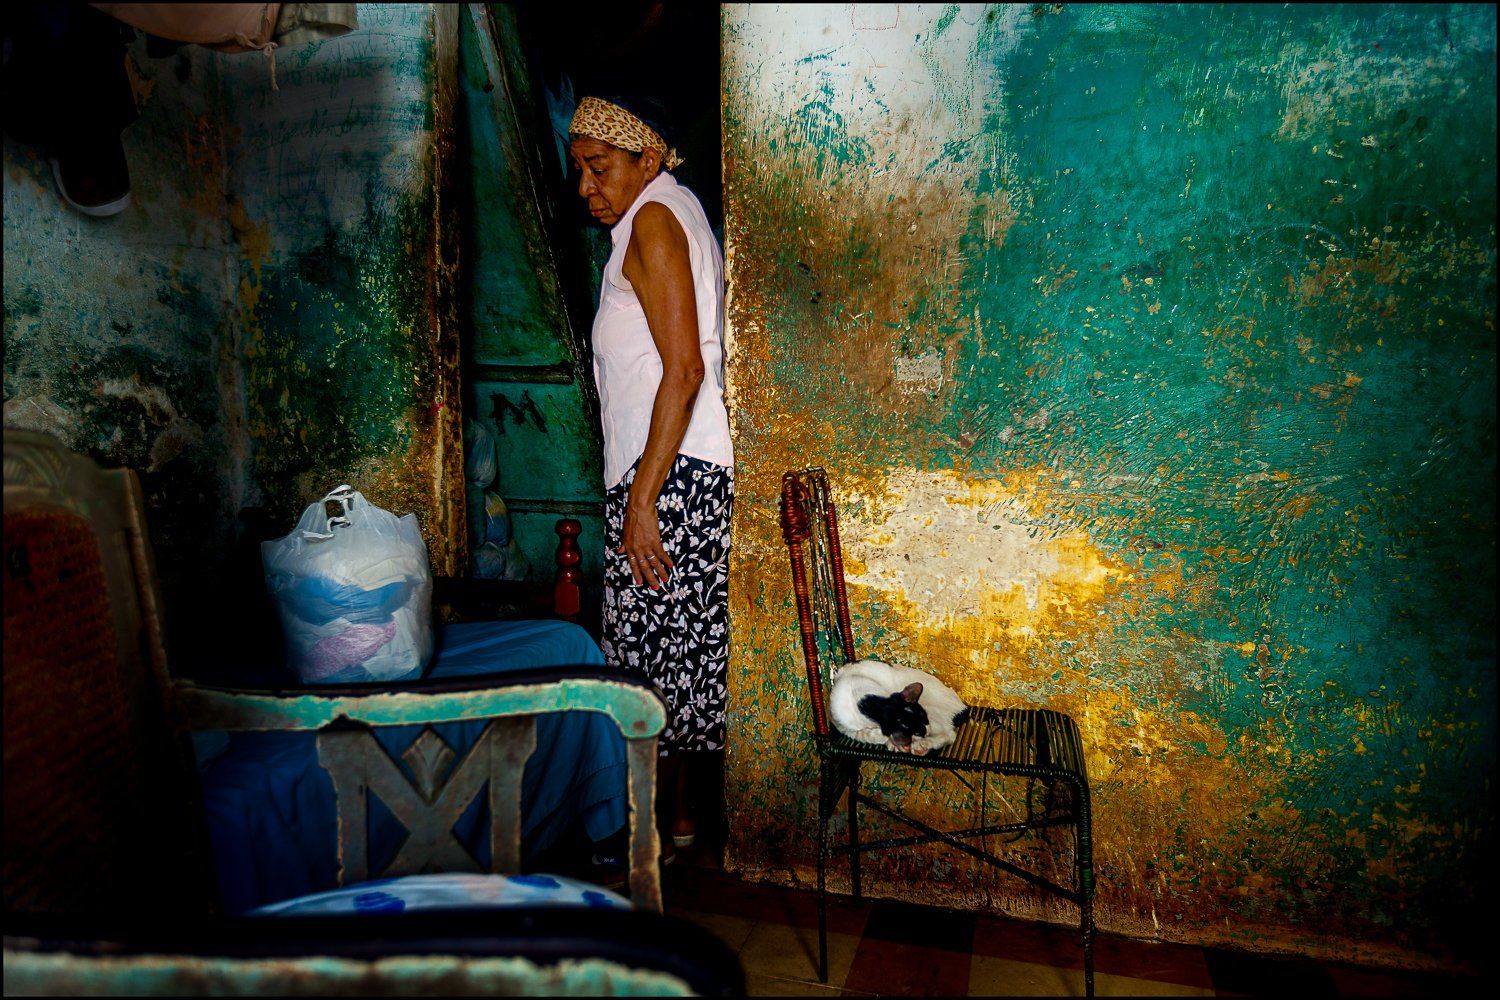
(642, 544)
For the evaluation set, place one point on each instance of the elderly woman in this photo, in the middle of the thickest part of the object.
(658, 343)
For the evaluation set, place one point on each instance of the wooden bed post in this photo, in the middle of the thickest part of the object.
(566, 590)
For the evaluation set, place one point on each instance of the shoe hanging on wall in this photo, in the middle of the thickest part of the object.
(93, 176)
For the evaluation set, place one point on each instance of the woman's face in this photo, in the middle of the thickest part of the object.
(609, 178)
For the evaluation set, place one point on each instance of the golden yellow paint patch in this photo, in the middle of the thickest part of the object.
(1299, 506)
(971, 551)
(1169, 580)
(254, 238)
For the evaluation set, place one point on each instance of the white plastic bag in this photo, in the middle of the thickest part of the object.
(354, 593)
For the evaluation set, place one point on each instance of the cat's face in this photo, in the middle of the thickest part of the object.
(900, 716)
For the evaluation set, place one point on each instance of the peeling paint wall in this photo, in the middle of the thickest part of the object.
(1152, 350)
(348, 322)
(119, 333)
(273, 315)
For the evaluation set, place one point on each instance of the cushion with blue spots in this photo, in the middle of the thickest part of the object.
(449, 891)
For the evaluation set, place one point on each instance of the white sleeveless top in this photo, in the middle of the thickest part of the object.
(627, 366)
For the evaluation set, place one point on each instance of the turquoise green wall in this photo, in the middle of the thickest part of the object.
(529, 375)
(1152, 349)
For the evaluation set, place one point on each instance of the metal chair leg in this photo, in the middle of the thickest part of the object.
(823, 815)
(1087, 919)
(1083, 850)
(854, 830)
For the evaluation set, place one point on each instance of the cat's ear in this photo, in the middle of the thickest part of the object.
(912, 691)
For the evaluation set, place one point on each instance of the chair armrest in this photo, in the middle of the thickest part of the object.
(633, 704)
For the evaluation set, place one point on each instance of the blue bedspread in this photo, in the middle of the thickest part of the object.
(270, 806)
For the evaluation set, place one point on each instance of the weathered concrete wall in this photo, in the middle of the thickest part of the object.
(119, 335)
(336, 187)
(1152, 349)
(272, 316)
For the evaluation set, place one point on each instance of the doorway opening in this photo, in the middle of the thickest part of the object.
(531, 284)
(668, 54)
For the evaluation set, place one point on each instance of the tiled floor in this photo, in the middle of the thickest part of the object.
(896, 949)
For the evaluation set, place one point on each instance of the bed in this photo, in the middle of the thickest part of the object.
(270, 806)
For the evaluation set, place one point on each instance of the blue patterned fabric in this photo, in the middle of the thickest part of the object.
(270, 806)
(677, 636)
(449, 892)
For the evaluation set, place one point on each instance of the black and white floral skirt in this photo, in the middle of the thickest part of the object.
(676, 636)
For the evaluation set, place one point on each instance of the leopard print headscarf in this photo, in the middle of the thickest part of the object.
(611, 123)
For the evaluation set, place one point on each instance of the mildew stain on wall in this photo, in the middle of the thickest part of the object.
(1152, 354)
(346, 276)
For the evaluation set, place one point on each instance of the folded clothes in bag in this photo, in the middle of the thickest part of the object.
(319, 600)
(354, 593)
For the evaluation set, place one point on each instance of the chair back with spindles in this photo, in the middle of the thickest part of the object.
(1039, 744)
(809, 524)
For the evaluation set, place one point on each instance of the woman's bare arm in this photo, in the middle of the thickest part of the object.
(658, 268)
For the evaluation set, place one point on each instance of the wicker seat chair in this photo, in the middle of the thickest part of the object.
(1037, 744)
(106, 853)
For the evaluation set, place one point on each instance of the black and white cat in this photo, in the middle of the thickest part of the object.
(878, 702)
